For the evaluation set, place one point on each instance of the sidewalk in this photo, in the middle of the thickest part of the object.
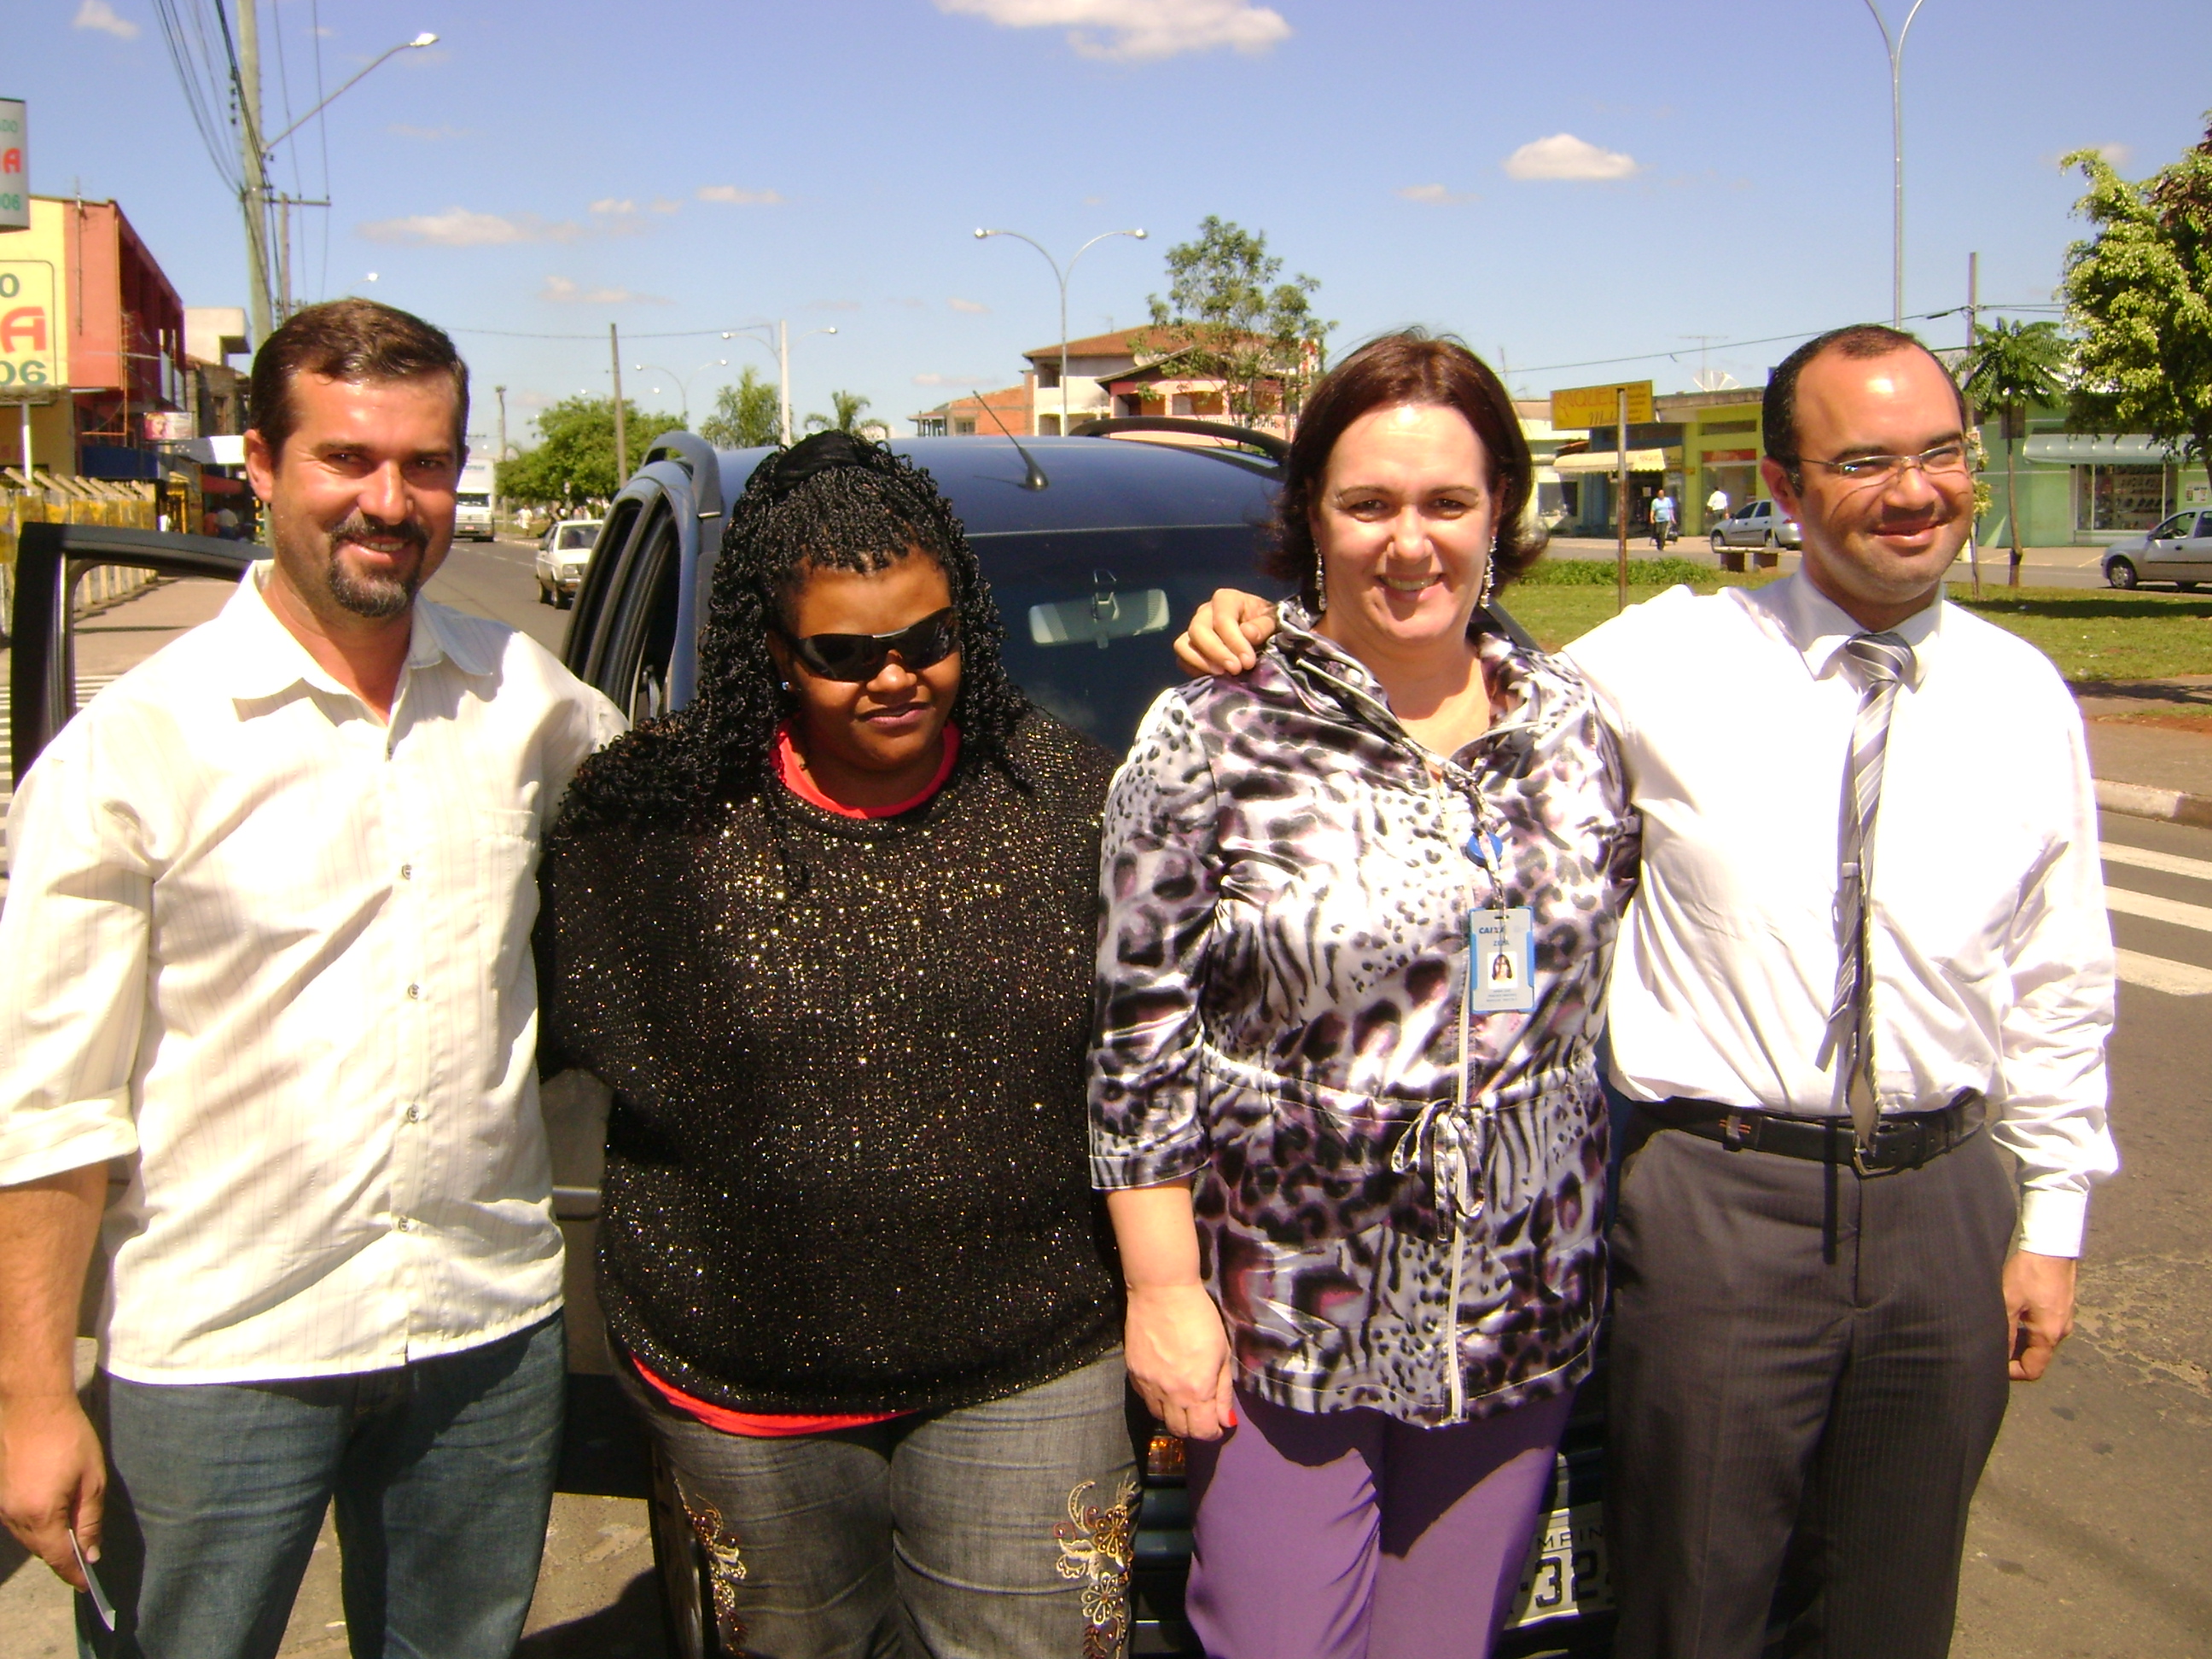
(2150, 747)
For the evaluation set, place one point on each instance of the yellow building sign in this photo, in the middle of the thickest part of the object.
(1588, 406)
(34, 313)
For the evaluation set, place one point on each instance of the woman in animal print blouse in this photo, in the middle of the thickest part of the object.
(1357, 1169)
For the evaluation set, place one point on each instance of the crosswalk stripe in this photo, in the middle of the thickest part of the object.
(2141, 858)
(2178, 979)
(2125, 901)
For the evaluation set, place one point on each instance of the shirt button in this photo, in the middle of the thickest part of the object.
(403, 1224)
(414, 992)
(406, 872)
(413, 1114)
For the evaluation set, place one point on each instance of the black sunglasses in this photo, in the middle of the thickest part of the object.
(860, 657)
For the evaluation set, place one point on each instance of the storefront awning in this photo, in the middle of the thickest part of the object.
(2083, 448)
(1608, 460)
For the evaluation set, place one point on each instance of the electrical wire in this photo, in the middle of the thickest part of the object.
(1764, 339)
(192, 55)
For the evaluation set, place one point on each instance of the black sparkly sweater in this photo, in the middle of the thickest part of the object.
(846, 1162)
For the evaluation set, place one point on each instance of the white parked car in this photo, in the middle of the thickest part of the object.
(2179, 552)
(564, 553)
(1757, 524)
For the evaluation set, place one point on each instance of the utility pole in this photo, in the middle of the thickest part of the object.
(498, 501)
(621, 427)
(1973, 333)
(253, 196)
(1896, 49)
(783, 379)
(1620, 510)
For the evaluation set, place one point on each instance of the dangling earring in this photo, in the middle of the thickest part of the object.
(1321, 584)
(1489, 577)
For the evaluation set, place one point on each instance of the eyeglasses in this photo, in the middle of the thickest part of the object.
(860, 657)
(1942, 461)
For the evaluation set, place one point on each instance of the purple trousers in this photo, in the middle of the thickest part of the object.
(1350, 1535)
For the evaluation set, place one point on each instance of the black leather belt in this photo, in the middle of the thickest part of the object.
(1902, 1140)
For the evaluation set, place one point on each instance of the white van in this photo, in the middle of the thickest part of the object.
(472, 501)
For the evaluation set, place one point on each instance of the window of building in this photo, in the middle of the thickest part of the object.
(2120, 497)
(1049, 426)
(1048, 375)
(963, 428)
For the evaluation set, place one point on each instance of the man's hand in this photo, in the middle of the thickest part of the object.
(53, 1477)
(1179, 1361)
(2038, 1292)
(1223, 633)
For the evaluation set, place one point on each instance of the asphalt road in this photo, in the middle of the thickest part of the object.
(2092, 1533)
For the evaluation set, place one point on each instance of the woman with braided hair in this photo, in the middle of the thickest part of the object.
(827, 933)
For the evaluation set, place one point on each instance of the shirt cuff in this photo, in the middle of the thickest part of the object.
(2053, 1223)
(71, 1137)
(1151, 1166)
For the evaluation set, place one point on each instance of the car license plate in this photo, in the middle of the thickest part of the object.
(1566, 1572)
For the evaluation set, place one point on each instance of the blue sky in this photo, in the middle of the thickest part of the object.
(549, 167)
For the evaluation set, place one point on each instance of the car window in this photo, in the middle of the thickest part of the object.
(2176, 525)
(1090, 616)
(643, 641)
(579, 534)
(1758, 510)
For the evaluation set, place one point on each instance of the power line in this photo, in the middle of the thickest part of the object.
(1765, 339)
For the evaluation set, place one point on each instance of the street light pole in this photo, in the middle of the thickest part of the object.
(1061, 278)
(1896, 48)
(683, 381)
(782, 349)
(498, 501)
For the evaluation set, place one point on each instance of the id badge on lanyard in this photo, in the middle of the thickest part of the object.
(1501, 943)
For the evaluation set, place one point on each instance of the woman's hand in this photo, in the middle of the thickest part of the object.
(1224, 632)
(1179, 1361)
(1177, 1351)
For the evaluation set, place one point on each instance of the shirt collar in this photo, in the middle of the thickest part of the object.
(266, 661)
(1819, 628)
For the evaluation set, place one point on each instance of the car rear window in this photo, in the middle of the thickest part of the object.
(1091, 616)
(579, 534)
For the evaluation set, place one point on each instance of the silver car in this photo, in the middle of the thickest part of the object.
(1757, 524)
(564, 553)
(2179, 552)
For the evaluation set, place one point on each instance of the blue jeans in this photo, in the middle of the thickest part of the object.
(442, 1476)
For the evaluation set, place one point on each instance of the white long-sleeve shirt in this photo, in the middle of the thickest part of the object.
(275, 954)
(1991, 951)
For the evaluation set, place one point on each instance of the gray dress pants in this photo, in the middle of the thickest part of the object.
(1809, 1370)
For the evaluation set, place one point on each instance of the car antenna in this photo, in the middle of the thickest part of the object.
(1035, 478)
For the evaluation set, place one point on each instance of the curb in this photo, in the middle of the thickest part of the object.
(2140, 800)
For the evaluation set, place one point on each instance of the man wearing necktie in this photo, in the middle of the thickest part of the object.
(1860, 1006)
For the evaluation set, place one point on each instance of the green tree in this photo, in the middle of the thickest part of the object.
(2139, 294)
(745, 415)
(1257, 335)
(573, 460)
(849, 407)
(2012, 365)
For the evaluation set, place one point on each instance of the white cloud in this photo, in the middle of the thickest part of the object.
(737, 197)
(99, 14)
(1562, 156)
(971, 306)
(563, 290)
(610, 205)
(663, 205)
(1435, 195)
(1138, 31)
(2118, 154)
(458, 227)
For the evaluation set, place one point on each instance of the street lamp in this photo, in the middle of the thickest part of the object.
(1897, 153)
(255, 190)
(683, 382)
(782, 364)
(1061, 277)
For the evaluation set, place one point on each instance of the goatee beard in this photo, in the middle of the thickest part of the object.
(376, 598)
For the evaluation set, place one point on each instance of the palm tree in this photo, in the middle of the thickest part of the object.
(849, 406)
(2011, 366)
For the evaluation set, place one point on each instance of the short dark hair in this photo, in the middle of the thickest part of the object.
(1777, 413)
(1409, 367)
(349, 340)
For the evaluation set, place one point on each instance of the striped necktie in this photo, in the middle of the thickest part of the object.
(1882, 661)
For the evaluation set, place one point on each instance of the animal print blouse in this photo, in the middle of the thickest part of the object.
(1288, 879)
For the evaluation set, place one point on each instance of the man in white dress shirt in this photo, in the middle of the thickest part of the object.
(1868, 956)
(266, 954)
(1868, 952)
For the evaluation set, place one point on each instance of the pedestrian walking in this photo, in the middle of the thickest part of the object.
(1716, 507)
(1358, 905)
(850, 1255)
(265, 953)
(1829, 1027)
(1662, 520)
